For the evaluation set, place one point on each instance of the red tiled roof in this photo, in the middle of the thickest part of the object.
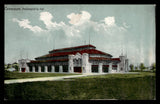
(116, 59)
(33, 61)
(89, 51)
(74, 47)
(103, 58)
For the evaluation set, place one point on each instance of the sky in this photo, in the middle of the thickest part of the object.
(34, 30)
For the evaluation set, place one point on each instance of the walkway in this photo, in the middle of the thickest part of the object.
(54, 78)
(45, 78)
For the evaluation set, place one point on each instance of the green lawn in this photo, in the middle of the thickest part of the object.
(122, 75)
(113, 86)
(17, 75)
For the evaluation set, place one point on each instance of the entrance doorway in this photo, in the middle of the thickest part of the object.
(23, 69)
(78, 69)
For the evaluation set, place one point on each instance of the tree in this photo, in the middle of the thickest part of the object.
(8, 66)
(136, 67)
(131, 67)
(16, 66)
(153, 66)
(142, 67)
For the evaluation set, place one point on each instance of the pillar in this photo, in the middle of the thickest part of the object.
(71, 69)
(53, 69)
(27, 69)
(100, 68)
(39, 68)
(110, 68)
(45, 69)
(20, 69)
(90, 67)
(70, 66)
(33, 69)
(85, 63)
(60, 69)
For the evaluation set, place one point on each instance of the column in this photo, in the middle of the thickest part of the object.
(90, 67)
(45, 69)
(118, 67)
(60, 69)
(70, 66)
(70, 69)
(27, 69)
(33, 69)
(39, 69)
(83, 70)
(85, 63)
(110, 68)
(53, 69)
(100, 68)
(20, 69)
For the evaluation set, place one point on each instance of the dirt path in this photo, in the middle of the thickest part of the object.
(44, 78)
(53, 78)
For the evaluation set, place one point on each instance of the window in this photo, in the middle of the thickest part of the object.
(95, 68)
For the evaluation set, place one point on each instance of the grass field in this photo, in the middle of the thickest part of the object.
(17, 75)
(112, 86)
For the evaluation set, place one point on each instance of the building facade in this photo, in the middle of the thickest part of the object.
(79, 59)
(23, 67)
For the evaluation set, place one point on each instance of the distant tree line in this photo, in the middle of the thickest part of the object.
(13, 65)
(142, 67)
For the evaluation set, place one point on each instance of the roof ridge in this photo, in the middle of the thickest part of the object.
(74, 47)
(90, 51)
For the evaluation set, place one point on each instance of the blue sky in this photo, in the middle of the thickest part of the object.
(114, 29)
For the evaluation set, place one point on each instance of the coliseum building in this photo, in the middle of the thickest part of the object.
(79, 59)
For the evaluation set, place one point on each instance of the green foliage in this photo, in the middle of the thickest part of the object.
(16, 66)
(153, 66)
(112, 86)
(131, 67)
(9, 66)
(136, 68)
(142, 67)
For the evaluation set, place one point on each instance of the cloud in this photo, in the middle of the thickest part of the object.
(47, 17)
(79, 19)
(80, 23)
(69, 31)
(125, 25)
(25, 23)
(110, 21)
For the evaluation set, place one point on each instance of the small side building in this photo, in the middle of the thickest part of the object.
(23, 67)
